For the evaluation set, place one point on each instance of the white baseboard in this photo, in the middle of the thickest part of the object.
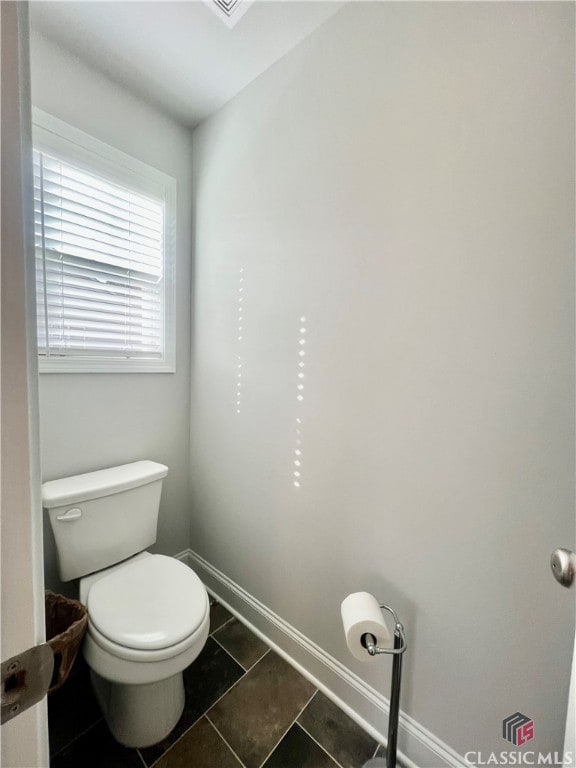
(418, 747)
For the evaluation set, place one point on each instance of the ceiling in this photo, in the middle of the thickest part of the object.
(179, 55)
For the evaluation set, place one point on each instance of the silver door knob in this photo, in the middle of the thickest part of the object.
(563, 564)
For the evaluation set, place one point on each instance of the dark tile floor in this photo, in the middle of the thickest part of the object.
(245, 708)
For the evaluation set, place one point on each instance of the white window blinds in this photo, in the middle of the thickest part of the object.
(100, 266)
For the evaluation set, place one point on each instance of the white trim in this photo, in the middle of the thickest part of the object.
(53, 135)
(420, 746)
(112, 365)
(24, 740)
(77, 145)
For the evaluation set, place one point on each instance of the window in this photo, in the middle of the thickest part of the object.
(104, 232)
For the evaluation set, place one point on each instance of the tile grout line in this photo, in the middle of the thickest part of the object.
(287, 729)
(321, 746)
(142, 759)
(266, 646)
(78, 735)
(314, 739)
(205, 713)
(153, 763)
(240, 621)
(225, 742)
(246, 669)
(221, 626)
(234, 684)
(214, 633)
(259, 660)
(177, 740)
(230, 654)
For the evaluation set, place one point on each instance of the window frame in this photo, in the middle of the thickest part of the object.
(55, 137)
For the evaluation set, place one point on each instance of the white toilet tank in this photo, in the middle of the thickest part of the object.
(103, 517)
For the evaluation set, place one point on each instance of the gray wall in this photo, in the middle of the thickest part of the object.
(91, 421)
(404, 180)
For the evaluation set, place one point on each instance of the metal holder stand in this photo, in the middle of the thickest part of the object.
(397, 651)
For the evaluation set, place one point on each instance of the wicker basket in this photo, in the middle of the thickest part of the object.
(66, 622)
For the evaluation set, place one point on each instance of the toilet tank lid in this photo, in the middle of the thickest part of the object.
(104, 482)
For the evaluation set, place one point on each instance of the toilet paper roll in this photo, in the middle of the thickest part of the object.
(361, 614)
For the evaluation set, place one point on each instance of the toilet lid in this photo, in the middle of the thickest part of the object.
(150, 604)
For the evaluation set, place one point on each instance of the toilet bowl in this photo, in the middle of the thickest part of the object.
(148, 615)
(148, 619)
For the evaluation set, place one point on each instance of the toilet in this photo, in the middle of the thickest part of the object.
(148, 615)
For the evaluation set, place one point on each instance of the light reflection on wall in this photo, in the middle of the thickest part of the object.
(240, 336)
(297, 472)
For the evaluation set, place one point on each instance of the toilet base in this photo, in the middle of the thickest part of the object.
(140, 715)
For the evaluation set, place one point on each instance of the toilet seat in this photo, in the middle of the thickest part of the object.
(133, 654)
(148, 610)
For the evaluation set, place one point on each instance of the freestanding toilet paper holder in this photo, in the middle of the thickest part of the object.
(400, 645)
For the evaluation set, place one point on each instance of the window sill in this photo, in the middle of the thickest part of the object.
(104, 366)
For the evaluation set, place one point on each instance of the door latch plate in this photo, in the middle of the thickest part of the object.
(25, 680)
